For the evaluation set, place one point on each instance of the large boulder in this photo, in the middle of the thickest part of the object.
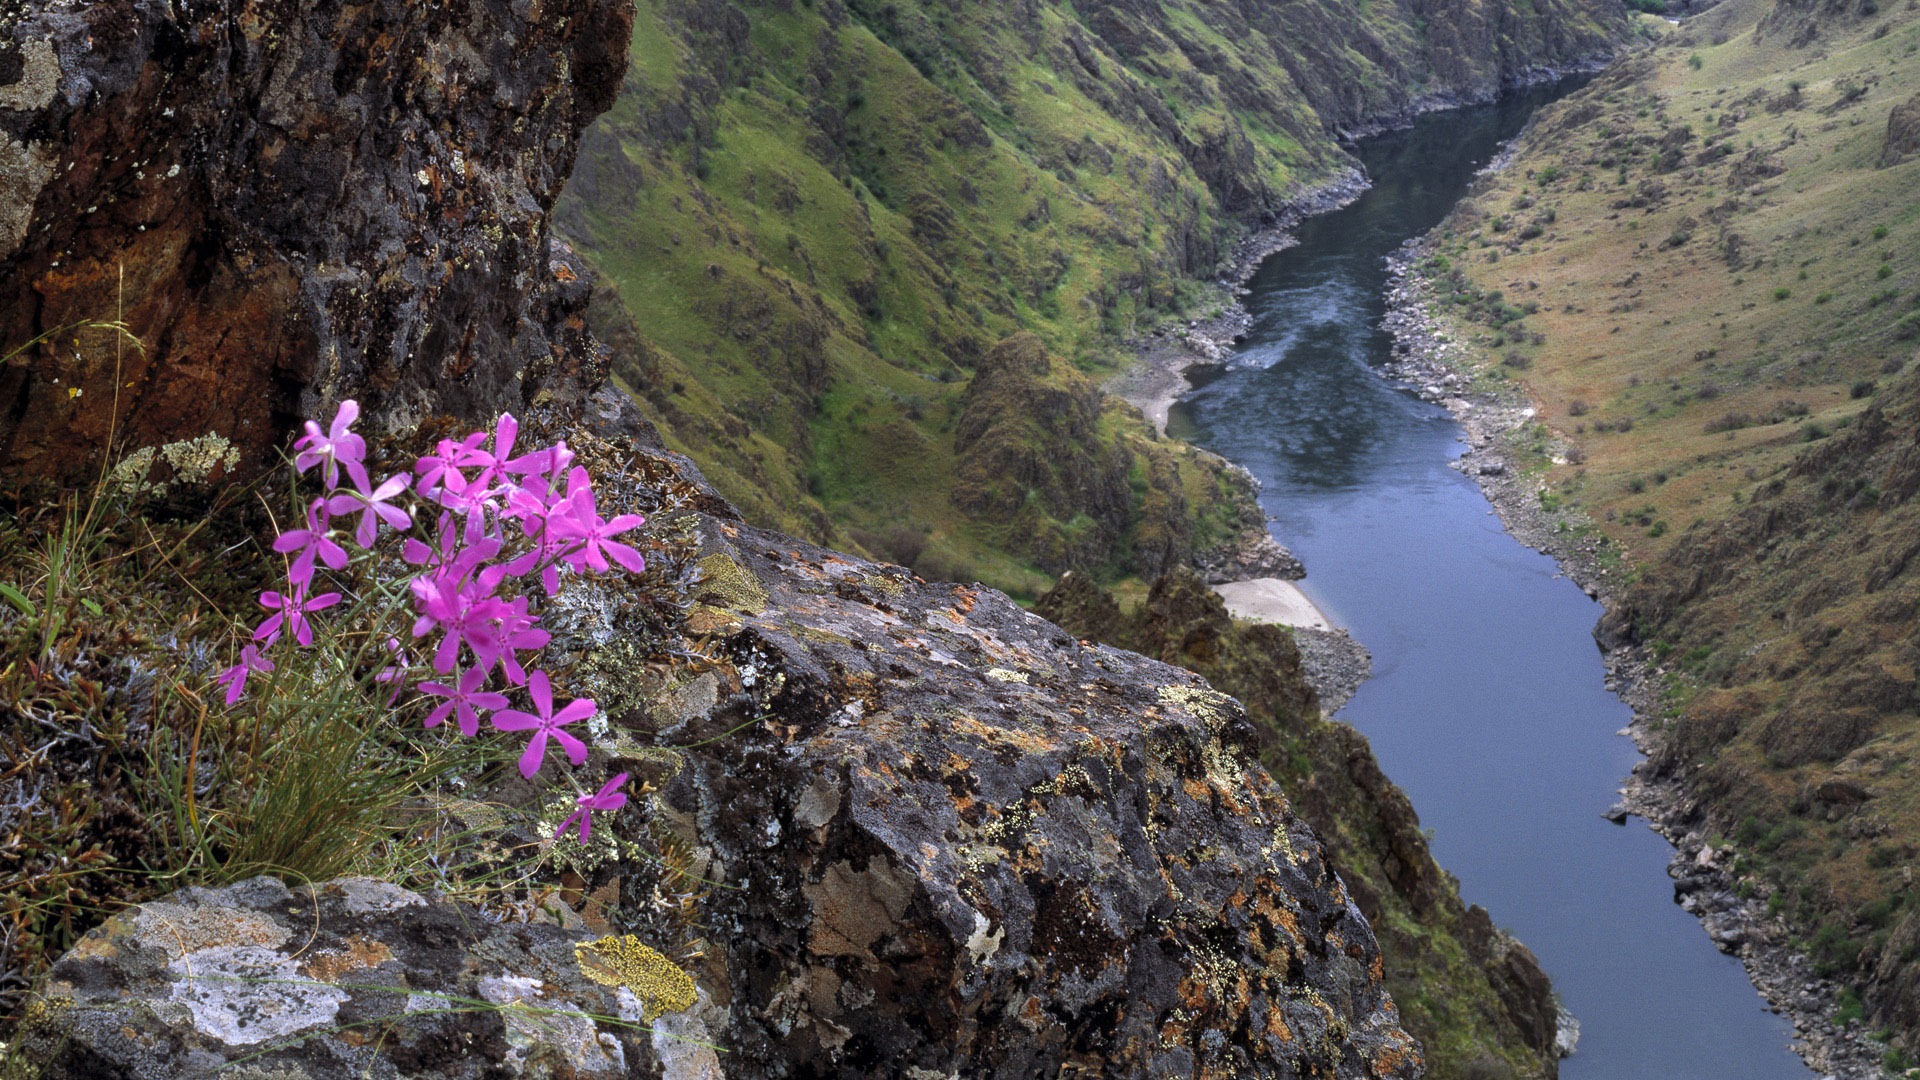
(964, 843)
(1903, 133)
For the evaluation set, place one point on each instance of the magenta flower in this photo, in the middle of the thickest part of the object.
(548, 551)
(441, 469)
(577, 519)
(461, 603)
(609, 797)
(235, 677)
(545, 722)
(290, 613)
(372, 506)
(338, 447)
(395, 673)
(502, 460)
(462, 698)
(513, 631)
(311, 542)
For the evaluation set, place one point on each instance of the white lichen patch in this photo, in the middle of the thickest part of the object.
(245, 994)
(39, 78)
(369, 896)
(1211, 706)
(25, 169)
(192, 461)
(1001, 674)
(537, 1029)
(981, 945)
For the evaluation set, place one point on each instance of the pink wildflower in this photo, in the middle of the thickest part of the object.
(609, 797)
(395, 673)
(235, 677)
(290, 613)
(462, 698)
(545, 722)
(461, 603)
(441, 469)
(338, 447)
(311, 542)
(577, 519)
(513, 630)
(373, 508)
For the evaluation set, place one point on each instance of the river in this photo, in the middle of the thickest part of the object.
(1487, 702)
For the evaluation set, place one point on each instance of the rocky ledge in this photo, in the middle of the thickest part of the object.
(924, 833)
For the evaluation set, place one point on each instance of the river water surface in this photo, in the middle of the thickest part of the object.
(1487, 702)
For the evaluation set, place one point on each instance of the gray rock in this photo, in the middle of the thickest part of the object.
(350, 979)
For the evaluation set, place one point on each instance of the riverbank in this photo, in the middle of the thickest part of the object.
(1158, 376)
(1503, 438)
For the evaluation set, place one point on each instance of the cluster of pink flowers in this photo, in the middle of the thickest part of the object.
(497, 520)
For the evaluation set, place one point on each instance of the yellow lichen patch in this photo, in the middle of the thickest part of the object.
(1001, 674)
(181, 930)
(359, 953)
(1277, 1024)
(661, 985)
(731, 584)
(706, 620)
(1211, 706)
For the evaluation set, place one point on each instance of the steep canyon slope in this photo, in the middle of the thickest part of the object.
(1034, 853)
(1704, 271)
(822, 217)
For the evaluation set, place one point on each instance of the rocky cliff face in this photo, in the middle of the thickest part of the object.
(287, 203)
(1475, 998)
(888, 827)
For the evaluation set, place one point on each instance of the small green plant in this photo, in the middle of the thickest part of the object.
(1782, 293)
(1879, 232)
(1695, 62)
(336, 684)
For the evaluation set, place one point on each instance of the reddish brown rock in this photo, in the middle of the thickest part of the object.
(289, 203)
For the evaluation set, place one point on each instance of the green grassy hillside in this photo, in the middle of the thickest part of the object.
(815, 220)
(1705, 269)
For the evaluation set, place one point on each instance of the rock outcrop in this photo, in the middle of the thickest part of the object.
(965, 842)
(922, 832)
(1903, 133)
(356, 978)
(287, 203)
(1497, 1006)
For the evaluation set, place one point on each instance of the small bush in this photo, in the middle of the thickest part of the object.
(1782, 293)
